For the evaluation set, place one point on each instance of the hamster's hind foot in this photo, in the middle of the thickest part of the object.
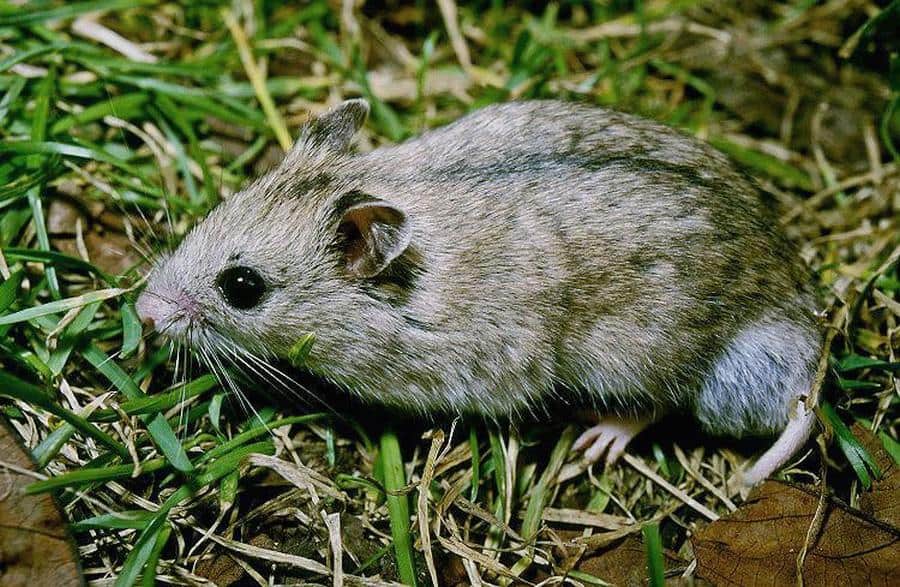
(609, 436)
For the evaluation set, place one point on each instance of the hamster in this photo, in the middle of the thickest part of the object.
(530, 254)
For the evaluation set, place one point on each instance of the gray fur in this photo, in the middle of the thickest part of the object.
(752, 385)
(556, 253)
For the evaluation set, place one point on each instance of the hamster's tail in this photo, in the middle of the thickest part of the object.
(792, 438)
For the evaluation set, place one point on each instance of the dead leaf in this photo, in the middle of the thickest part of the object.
(35, 545)
(224, 570)
(221, 569)
(453, 572)
(882, 502)
(102, 229)
(758, 544)
(623, 562)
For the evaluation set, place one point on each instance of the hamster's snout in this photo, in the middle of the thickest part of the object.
(150, 309)
(163, 314)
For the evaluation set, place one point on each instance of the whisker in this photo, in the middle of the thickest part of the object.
(214, 355)
(182, 406)
(286, 382)
(246, 399)
(220, 377)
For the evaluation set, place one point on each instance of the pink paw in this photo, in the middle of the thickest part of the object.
(610, 436)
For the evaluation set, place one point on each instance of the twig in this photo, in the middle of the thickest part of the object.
(679, 454)
(687, 499)
(615, 29)
(257, 81)
(815, 525)
(422, 505)
(89, 28)
(451, 21)
(333, 523)
(300, 562)
(820, 197)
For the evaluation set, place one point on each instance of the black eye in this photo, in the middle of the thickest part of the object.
(241, 287)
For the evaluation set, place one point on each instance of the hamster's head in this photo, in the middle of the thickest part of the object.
(288, 255)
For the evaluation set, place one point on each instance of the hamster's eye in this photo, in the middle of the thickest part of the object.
(242, 287)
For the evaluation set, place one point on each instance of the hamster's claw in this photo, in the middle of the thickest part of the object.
(609, 436)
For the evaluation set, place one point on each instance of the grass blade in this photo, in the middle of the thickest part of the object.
(498, 459)
(855, 362)
(12, 94)
(476, 464)
(131, 329)
(542, 489)
(70, 337)
(767, 164)
(891, 446)
(44, 452)
(300, 351)
(16, 388)
(229, 462)
(46, 91)
(57, 259)
(157, 425)
(257, 431)
(149, 578)
(151, 404)
(60, 306)
(258, 81)
(146, 542)
(656, 569)
(27, 54)
(9, 289)
(142, 552)
(121, 106)
(136, 519)
(858, 457)
(398, 506)
(93, 475)
(66, 150)
(19, 15)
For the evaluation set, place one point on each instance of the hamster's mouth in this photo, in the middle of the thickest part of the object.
(180, 331)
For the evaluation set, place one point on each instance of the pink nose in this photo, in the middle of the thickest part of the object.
(150, 309)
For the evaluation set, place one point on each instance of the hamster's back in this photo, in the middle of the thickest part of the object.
(595, 228)
(610, 195)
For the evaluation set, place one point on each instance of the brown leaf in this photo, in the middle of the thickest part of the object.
(453, 572)
(759, 543)
(35, 546)
(103, 231)
(221, 569)
(881, 502)
(624, 562)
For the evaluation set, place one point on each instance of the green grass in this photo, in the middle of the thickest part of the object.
(156, 145)
(398, 504)
(655, 563)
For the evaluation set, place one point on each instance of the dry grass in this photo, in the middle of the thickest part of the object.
(202, 105)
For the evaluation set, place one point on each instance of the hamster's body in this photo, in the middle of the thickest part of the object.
(527, 255)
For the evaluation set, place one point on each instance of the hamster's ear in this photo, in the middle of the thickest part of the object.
(334, 129)
(371, 233)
